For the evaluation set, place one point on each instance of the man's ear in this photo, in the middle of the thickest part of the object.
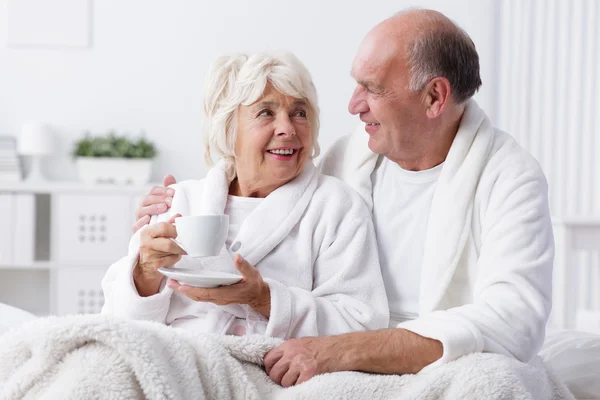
(437, 96)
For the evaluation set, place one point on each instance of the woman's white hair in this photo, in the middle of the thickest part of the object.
(241, 79)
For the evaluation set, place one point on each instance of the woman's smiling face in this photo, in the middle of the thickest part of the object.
(273, 143)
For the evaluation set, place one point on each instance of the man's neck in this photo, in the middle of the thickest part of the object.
(431, 151)
(420, 164)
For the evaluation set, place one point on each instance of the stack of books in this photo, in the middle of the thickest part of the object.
(10, 166)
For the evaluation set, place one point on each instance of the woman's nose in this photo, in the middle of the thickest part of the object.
(285, 127)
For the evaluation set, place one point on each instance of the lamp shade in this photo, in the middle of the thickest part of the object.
(35, 139)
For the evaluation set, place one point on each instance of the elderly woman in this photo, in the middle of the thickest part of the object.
(303, 242)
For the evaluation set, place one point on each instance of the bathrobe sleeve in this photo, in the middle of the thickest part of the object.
(348, 292)
(513, 288)
(121, 298)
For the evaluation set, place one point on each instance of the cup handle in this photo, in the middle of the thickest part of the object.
(178, 243)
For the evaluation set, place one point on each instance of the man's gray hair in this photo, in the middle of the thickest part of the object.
(448, 53)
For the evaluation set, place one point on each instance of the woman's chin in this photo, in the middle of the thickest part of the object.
(284, 175)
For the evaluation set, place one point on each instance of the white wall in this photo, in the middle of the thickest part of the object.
(549, 100)
(146, 65)
(549, 97)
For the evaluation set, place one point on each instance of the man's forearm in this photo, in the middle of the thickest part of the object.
(387, 351)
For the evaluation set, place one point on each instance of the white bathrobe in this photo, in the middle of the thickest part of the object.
(313, 242)
(487, 267)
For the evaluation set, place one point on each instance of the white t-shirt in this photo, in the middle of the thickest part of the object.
(403, 201)
(238, 208)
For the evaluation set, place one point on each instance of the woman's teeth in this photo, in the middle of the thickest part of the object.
(285, 152)
(373, 123)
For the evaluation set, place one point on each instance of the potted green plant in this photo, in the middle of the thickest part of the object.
(113, 158)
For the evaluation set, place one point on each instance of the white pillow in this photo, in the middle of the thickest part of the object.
(575, 357)
(12, 316)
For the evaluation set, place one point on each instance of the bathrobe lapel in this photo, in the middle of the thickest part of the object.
(452, 205)
(272, 220)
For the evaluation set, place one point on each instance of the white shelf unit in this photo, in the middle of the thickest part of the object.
(57, 240)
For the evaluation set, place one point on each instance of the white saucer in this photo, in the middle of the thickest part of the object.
(200, 278)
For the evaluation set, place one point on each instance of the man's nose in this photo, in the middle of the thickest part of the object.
(358, 103)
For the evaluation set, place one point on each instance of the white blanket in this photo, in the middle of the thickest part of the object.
(11, 316)
(96, 357)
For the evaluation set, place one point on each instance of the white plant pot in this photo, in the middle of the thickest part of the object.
(133, 171)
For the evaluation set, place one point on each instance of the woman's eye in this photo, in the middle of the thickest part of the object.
(265, 113)
(300, 113)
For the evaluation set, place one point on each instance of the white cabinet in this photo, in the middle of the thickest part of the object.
(58, 239)
(78, 290)
(91, 228)
(6, 237)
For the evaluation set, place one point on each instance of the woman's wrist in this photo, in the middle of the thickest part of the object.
(146, 284)
(263, 303)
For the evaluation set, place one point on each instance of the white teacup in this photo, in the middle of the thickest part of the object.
(202, 235)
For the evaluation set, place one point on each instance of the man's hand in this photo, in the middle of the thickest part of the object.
(386, 351)
(298, 360)
(157, 201)
(251, 290)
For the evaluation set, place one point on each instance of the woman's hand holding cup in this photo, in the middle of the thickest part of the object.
(157, 250)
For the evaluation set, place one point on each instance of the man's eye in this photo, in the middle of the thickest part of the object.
(374, 90)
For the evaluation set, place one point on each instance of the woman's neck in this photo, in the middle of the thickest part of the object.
(243, 189)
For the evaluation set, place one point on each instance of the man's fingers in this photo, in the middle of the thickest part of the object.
(304, 376)
(158, 191)
(140, 223)
(153, 209)
(271, 358)
(151, 199)
(279, 370)
(290, 377)
(169, 180)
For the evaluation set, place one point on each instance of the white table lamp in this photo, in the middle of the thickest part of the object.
(35, 141)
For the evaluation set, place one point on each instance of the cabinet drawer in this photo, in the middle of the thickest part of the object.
(78, 290)
(91, 229)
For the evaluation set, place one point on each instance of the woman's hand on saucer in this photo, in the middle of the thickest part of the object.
(251, 290)
(157, 250)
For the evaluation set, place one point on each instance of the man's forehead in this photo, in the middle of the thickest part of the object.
(369, 67)
(374, 55)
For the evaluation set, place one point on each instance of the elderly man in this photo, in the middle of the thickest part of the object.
(460, 211)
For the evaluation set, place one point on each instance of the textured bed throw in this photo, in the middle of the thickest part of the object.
(95, 357)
